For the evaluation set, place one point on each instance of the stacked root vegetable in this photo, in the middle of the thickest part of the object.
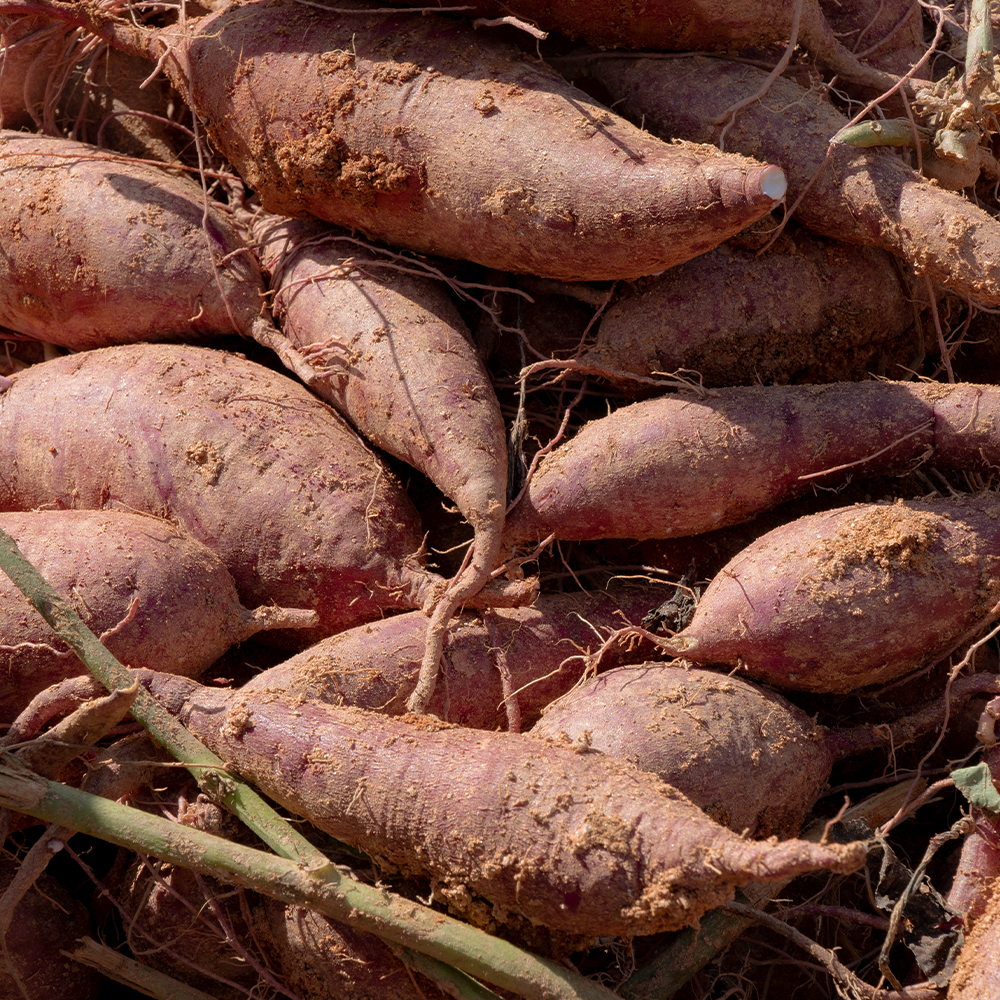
(496, 504)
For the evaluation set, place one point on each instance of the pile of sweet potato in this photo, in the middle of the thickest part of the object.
(554, 468)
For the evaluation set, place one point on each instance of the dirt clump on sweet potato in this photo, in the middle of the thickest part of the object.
(888, 538)
(853, 597)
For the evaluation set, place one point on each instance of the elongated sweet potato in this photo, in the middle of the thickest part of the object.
(580, 844)
(247, 460)
(747, 756)
(420, 132)
(391, 353)
(852, 597)
(865, 196)
(187, 613)
(545, 649)
(806, 310)
(681, 465)
(692, 24)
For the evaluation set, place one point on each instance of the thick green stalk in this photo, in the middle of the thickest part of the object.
(392, 918)
(979, 48)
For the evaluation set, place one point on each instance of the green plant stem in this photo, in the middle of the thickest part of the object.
(979, 48)
(377, 911)
(890, 132)
(448, 978)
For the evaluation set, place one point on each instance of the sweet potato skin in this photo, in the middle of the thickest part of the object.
(857, 596)
(679, 465)
(805, 310)
(577, 843)
(418, 131)
(392, 354)
(299, 510)
(747, 756)
(545, 647)
(863, 196)
(187, 615)
(70, 282)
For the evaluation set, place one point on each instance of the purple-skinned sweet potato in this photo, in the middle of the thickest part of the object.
(546, 648)
(423, 133)
(863, 196)
(852, 597)
(580, 844)
(673, 25)
(747, 756)
(270, 478)
(187, 613)
(70, 282)
(683, 464)
(389, 350)
(805, 310)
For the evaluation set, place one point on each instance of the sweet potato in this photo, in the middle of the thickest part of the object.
(545, 649)
(31, 46)
(747, 756)
(977, 973)
(694, 24)
(187, 613)
(70, 282)
(247, 460)
(891, 35)
(391, 353)
(805, 310)
(579, 844)
(863, 196)
(420, 132)
(682, 465)
(852, 597)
